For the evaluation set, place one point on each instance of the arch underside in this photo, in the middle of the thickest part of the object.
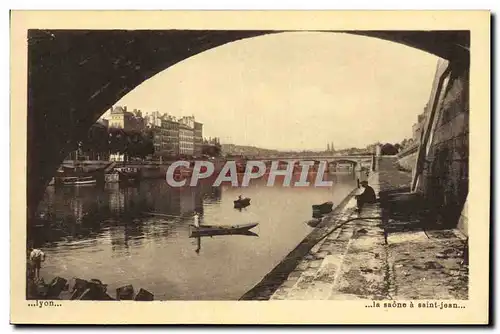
(344, 161)
(76, 75)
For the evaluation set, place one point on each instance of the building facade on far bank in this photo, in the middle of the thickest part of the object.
(186, 135)
(198, 138)
(121, 118)
(170, 140)
(153, 119)
(171, 136)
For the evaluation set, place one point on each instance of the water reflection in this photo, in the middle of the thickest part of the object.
(108, 233)
(82, 212)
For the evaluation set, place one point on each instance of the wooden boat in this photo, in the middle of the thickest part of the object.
(240, 203)
(78, 180)
(323, 208)
(158, 214)
(314, 222)
(197, 234)
(204, 230)
(77, 167)
(317, 214)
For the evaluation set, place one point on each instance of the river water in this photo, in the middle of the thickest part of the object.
(101, 232)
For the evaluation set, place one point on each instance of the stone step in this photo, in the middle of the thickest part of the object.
(364, 272)
(315, 275)
(318, 278)
(428, 265)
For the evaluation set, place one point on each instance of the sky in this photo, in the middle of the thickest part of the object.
(295, 91)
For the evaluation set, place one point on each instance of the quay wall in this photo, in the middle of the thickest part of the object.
(463, 222)
(408, 158)
(444, 176)
(147, 169)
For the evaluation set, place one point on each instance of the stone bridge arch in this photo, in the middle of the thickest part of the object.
(332, 164)
(350, 161)
(74, 76)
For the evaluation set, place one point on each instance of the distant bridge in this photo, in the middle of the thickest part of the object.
(366, 160)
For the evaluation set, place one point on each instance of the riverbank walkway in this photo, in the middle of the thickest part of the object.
(378, 258)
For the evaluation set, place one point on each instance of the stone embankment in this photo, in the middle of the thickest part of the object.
(79, 289)
(378, 253)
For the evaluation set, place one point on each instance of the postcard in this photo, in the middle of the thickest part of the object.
(250, 167)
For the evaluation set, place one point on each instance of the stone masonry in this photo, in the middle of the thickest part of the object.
(370, 259)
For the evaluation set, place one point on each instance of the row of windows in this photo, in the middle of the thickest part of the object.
(175, 138)
(123, 126)
(170, 126)
(181, 132)
(175, 141)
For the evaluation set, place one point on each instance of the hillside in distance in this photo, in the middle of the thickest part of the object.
(245, 150)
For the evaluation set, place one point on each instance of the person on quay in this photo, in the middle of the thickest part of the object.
(37, 256)
(366, 196)
(196, 219)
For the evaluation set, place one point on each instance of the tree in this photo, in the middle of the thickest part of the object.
(388, 149)
(96, 141)
(149, 147)
(133, 144)
(138, 144)
(404, 143)
(117, 140)
(213, 150)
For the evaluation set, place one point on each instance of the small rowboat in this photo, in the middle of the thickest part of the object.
(221, 229)
(240, 203)
(196, 234)
(314, 222)
(323, 208)
(317, 215)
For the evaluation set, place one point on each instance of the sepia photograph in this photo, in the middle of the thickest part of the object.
(277, 164)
